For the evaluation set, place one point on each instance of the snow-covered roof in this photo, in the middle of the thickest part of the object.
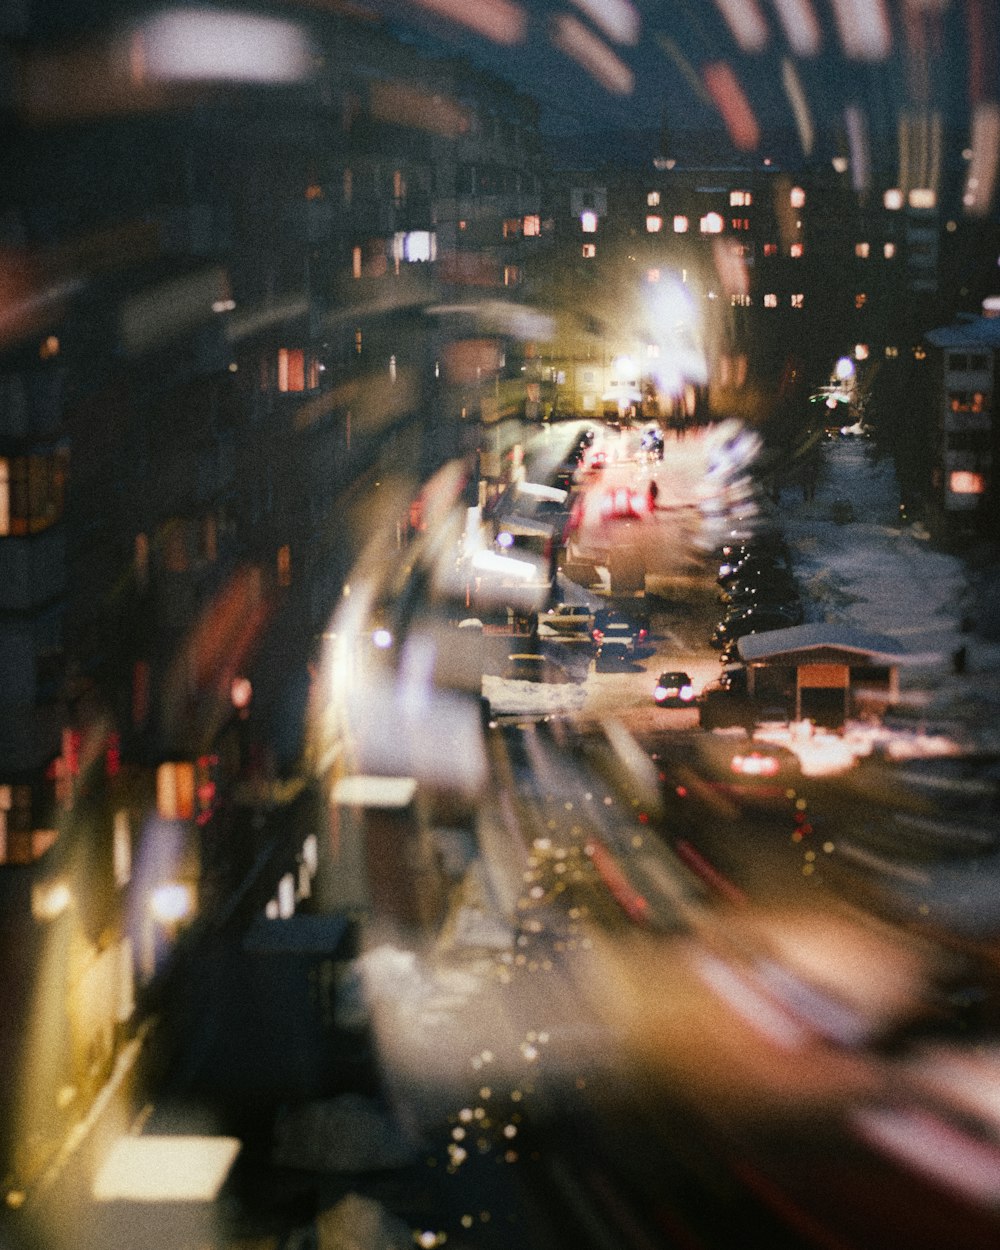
(977, 332)
(819, 635)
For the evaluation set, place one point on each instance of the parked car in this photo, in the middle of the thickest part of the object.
(673, 689)
(619, 623)
(567, 620)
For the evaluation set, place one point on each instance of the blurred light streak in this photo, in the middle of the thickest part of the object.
(749, 1004)
(864, 29)
(171, 308)
(498, 317)
(732, 103)
(574, 40)
(856, 125)
(408, 105)
(731, 266)
(29, 300)
(801, 27)
(165, 1169)
(965, 1164)
(799, 104)
(746, 22)
(208, 45)
(244, 324)
(619, 19)
(499, 20)
(684, 67)
(981, 50)
(981, 176)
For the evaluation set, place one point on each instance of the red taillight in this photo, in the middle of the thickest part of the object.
(598, 635)
(642, 634)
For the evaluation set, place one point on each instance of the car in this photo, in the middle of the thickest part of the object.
(753, 773)
(567, 620)
(673, 689)
(619, 623)
(612, 655)
(624, 503)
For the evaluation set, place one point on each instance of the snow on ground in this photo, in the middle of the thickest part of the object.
(874, 572)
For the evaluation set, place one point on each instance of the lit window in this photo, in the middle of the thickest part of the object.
(891, 353)
(770, 249)
(653, 351)
(652, 275)
(798, 300)
(589, 251)
(357, 342)
(680, 224)
(922, 197)
(795, 250)
(532, 225)
(392, 369)
(967, 401)
(511, 227)
(740, 223)
(860, 299)
(296, 372)
(712, 223)
(861, 351)
(588, 221)
(653, 199)
(175, 791)
(893, 199)
(356, 261)
(654, 223)
(740, 199)
(398, 187)
(797, 197)
(32, 490)
(861, 250)
(284, 563)
(963, 482)
(770, 300)
(314, 191)
(512, 275)
(741, 301)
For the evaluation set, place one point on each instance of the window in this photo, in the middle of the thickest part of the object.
(512, 275)
(680, 224)
(653, 199)
(356, 262)
(798, 300)
(891, 352)
(770, 249)
(398, 188)
(588, 221)
(711, 223)
(795, 250)
(19, 843)
(967, 401)
(967, 440)
(893, 199)
(889, 250)
(741, 301)
(797, 197)
(297, 371)
(860, 300)
(512, 228)
(962, 482)
(740, 199)
(861, 251)
(284, 565)
(654, 223)
(589, 251)
(770, 300)
(532, 225)
(740, 223)
(652, 275)
(32, 490)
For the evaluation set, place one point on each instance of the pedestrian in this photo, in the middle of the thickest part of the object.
(653, 492)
